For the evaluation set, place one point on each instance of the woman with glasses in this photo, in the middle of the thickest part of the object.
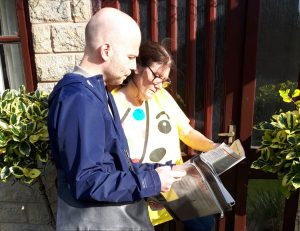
(153, 122)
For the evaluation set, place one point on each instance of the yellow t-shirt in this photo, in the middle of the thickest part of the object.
(153, 132)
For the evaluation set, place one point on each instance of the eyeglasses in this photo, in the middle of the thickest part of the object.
(157, 80)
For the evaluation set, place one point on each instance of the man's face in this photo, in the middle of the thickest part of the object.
(122, 61)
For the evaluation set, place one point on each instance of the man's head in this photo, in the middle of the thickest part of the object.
(112, 45)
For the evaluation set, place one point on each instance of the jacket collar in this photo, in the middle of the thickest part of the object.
(95, 84)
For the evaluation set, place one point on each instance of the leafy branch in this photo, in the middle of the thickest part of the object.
(280, 144)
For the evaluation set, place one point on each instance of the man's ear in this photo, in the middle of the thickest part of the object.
(139, 69)
(105, 51)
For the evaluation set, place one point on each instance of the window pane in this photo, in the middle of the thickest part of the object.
(144, 17)
(200, 53)
(11, 68)
(162, 19)
(181, 50)
(278, 57)
(265, 205)
(8, 18)
(218, 80)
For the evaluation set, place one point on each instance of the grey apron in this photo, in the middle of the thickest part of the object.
(80, 215)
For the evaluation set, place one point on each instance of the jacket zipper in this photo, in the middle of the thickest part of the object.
(128, 160)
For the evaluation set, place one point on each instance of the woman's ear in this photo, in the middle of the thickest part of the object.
(105, 51)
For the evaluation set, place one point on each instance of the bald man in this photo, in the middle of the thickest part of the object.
(98, 187)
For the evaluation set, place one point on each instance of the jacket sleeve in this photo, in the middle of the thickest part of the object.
(94, 171)
(148, 166)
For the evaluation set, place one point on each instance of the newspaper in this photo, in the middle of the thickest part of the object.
(223, 157)
(201, 192)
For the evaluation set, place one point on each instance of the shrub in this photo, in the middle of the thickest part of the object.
(24, 141)
(280, 144)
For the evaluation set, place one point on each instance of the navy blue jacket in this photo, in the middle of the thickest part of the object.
(90, 147)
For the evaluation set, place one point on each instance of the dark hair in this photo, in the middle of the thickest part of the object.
(151, 52)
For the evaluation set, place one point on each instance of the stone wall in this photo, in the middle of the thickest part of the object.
(23, 207)
(58, 36)
(58, 40)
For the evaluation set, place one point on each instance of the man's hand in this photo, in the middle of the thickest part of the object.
(168, 177)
